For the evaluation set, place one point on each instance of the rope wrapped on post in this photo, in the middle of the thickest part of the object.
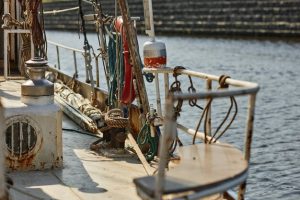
(114, 118)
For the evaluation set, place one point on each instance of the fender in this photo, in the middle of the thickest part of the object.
(128, 93)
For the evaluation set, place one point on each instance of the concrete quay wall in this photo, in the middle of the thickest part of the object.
(197, 17)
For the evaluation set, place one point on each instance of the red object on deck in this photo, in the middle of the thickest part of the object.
(128, 93)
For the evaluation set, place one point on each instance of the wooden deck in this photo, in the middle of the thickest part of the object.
(85, 175)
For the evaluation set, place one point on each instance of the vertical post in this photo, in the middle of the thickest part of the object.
(5, 32)
(166, 82)
(103, 45)
(134, 54)
(208, 123)
(5, 46)
(248, 140)
(164, 144)
(158, 101)
(2, 176)
(97, 71)
(87, 80)
(58, 60)
(148, 11)
(32, 45)
(75, 64)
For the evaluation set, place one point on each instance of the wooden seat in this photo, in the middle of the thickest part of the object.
(203, 169)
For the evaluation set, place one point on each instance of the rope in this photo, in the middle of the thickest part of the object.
(115, 68)
(81, 132)
(87, 48)
(175, 87)
(44, 49)
(199, 123)
(8, 21)
(144, 138)
(191, 89)
(214, 138)
(36, 28)
(115, 118)
(233, 102)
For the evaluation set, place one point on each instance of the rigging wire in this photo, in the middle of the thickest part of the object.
(87, 48)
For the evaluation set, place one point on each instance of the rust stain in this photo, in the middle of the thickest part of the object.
(24, 162)
(42, 164)
(21, 163)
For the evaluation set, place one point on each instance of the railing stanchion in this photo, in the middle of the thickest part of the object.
(58, 60)
(157, 90)
(75, 64)
(97, 71)
(208, 122)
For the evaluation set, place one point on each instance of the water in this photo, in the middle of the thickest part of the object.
(275, 65)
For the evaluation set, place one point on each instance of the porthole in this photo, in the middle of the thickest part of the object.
(22, 136)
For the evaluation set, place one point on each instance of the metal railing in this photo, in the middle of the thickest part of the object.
(247, 88)
(74, 51)
(238, 88)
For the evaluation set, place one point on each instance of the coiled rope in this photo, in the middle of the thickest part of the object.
(115, 118)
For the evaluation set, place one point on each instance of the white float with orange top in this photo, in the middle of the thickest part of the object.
(155, 53)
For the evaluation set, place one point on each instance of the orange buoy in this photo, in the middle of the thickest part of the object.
(128, 93)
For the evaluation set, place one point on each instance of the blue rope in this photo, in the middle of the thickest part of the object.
(113, 69)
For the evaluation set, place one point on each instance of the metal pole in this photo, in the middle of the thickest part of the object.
(208, 123)
(97, 71)
(75, 64)
(5, 53)
(58, 60)
(134, 55)
(164, 144)
(248, 140)
(87, 80)
(2, 164)
(152, 33)
(158, 101)
(148, 11)
(166, 82)
(103, 45)
(6, 10)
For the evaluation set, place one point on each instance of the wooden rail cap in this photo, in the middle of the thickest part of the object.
(204, 168)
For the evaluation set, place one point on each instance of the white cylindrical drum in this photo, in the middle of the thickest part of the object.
(155, 54)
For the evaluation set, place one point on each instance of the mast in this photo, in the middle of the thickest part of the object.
(149, 23)
(133, 48)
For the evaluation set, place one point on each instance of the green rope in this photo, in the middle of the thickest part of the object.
(114, 70)
(144, 138)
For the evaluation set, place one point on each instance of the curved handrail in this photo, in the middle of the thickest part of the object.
(230, 81)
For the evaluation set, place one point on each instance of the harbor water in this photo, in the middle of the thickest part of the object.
(273, 64)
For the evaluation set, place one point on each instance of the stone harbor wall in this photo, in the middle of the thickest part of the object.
(199, 17)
